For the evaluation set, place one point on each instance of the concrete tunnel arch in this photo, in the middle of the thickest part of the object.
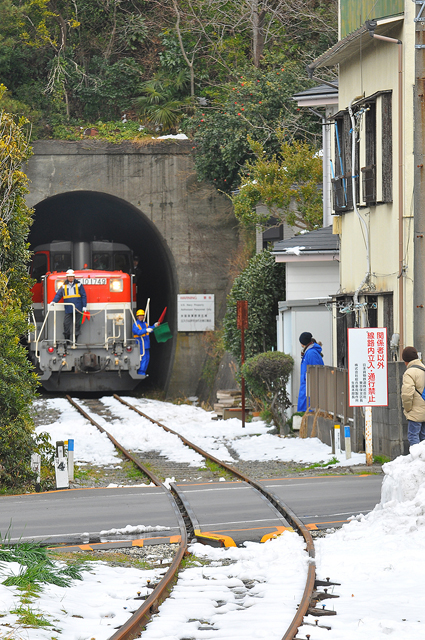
(89, 215)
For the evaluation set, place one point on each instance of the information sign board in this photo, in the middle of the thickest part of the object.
(367, 367)
(195, 312)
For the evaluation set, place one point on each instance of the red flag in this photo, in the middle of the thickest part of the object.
(161, 317)
(85, 316)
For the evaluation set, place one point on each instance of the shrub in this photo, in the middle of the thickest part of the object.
(266, 375)
(17, 381)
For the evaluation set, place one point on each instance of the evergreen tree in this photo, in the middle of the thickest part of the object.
(17, 381)
(262, 284)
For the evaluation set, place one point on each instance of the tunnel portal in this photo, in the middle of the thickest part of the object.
(88, 215)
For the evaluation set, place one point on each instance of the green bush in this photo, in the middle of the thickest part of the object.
(17, 381)
(266, 375)
(262, 284)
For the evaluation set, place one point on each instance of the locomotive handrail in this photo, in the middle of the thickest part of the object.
(125, 308)
(37, 337)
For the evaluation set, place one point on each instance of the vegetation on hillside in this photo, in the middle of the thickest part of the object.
(17, 381)
(219, 70)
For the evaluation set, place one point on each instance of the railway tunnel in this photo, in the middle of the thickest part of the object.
(90, 215)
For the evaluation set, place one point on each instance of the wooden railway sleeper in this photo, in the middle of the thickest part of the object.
(316, 624)
(322, 595)
(314, 611)
(326, 583)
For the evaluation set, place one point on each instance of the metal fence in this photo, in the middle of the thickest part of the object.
(327, 388)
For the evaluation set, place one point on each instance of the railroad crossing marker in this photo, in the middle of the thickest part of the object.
(61, 466)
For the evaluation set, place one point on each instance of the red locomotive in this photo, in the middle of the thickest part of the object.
(104, 356)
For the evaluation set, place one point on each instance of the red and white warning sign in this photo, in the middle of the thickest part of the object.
(368, 367)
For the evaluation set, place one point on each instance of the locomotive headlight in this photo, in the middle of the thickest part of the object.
(116, 285)
(58, 284)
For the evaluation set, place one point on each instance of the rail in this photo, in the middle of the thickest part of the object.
(134, 625)
(277, 503)
(327, 390)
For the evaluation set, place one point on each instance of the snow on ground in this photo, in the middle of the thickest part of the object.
(379, 559)
(254, 442)
(93, 446)
(214, 601)
(91, 608)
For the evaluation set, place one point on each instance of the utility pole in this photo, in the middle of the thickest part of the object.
(419, 181)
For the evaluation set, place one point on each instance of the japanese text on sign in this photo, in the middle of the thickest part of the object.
(367, 367)
(195, 312)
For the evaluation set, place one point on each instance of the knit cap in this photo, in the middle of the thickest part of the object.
(305, 338)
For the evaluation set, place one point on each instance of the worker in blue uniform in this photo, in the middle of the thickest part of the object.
(141, 333)
(311, 354)
(73, 292)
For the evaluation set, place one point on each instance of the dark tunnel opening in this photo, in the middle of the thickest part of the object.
(87, 216)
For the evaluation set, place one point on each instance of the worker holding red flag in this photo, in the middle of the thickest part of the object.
(141, 333)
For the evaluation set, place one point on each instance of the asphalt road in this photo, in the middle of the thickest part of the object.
(328, 501)
(77, 515)
(229, 508)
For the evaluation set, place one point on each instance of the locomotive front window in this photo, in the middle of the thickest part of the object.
(122, 262)
(102, 261)
(39, 266)
(61, 261)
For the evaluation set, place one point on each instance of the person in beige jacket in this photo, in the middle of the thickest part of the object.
(411, 395)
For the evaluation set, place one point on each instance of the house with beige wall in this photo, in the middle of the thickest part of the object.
(378, 192)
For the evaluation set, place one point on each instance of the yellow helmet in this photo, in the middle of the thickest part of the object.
(140, 312)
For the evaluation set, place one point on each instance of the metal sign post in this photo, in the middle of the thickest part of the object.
(242, 324)
(368, 375)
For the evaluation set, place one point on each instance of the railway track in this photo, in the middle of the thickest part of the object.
(189, 529)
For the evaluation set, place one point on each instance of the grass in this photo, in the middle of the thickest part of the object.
(133, 473)
(111, 559)
(193, 561)
(29, 618)
(380, 459)
(37, 568)
(218, 471)
(322, 465)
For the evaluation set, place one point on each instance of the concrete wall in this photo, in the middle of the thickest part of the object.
(294, 317)
(194, 223)
(389, 426)
(311, 279)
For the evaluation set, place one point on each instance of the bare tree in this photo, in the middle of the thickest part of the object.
(211, 22)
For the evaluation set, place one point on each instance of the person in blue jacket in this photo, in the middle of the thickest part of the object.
(311, 354)
(72, 291)
(141, 332)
